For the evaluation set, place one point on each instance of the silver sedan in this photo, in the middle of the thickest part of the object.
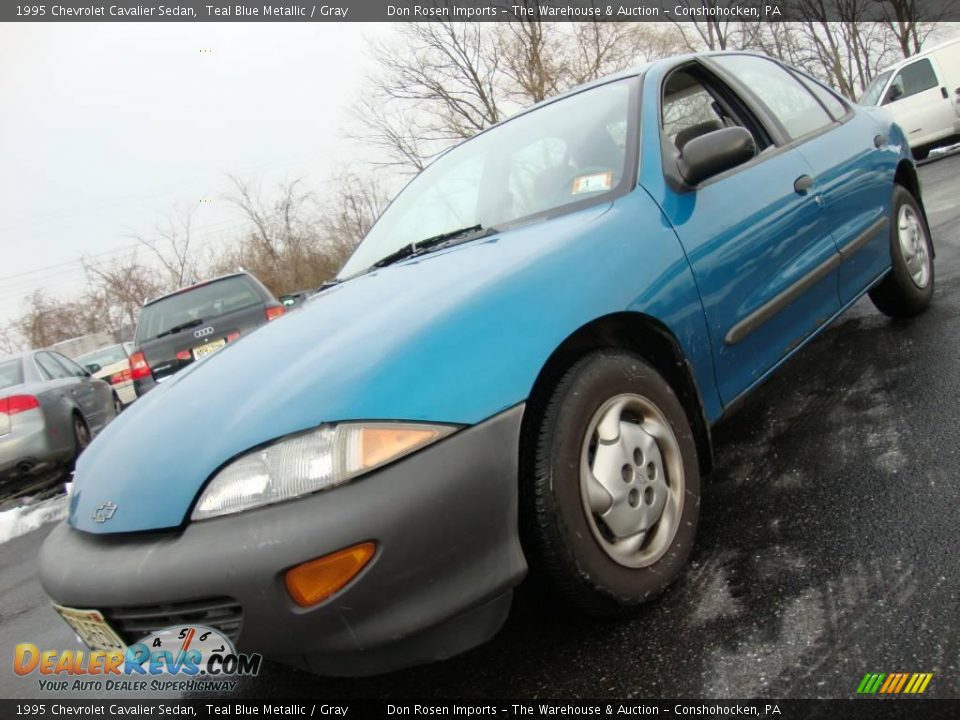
(50, 409)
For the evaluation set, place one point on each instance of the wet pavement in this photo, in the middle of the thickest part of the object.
(828, 545)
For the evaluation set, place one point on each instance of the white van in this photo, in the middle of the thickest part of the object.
(923, 93)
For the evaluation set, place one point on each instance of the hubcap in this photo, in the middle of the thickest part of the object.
(913, 246)
(83, 437)
(631, 480)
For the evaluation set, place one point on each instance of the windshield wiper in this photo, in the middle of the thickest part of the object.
(434, 243)
(182, 326)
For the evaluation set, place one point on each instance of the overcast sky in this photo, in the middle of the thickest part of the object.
(105, 127)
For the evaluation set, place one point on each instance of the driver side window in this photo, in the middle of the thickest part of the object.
(691, 108)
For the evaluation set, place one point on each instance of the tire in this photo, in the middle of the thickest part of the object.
(908, 288)
(597, 559)
(117, 405)
(920, 153)
(81, 436)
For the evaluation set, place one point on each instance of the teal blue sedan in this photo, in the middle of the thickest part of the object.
(518, 367)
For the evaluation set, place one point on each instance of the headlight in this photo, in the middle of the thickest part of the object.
(306, 463)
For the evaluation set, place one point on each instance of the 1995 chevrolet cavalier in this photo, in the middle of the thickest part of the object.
(533, 341)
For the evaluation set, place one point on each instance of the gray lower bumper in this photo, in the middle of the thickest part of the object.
(448, 556)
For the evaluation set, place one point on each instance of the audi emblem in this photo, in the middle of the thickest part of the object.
(203, 332)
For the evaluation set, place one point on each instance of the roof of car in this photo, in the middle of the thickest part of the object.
(185, 288)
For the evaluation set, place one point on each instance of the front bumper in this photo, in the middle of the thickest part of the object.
(448, 556)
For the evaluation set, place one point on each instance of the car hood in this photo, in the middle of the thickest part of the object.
(454, 337)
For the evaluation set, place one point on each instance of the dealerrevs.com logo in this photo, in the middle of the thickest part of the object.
(180, 658)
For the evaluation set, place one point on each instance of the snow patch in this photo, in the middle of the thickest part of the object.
(25, 518)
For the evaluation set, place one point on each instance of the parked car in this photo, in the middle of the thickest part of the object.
(112, 364)
(50, 408)
(533, 342)
(177, 329)
(923, 94)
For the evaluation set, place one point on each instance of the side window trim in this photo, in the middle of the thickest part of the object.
(805, 79)
(785, 142)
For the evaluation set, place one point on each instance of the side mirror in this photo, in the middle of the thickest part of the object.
(713, 153)
(93, 368)
(893, 94)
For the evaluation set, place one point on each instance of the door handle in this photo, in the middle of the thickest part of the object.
(802, 184)
(943, 91)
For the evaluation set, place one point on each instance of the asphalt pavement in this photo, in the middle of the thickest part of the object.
(828, 545)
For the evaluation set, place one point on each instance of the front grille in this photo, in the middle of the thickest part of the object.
(134, 623)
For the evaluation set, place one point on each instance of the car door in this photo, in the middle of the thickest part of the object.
(852, 168)
(762, 255)
(920, 102)
(84, 391)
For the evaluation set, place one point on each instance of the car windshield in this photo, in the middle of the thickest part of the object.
(11, 373)
(871, 96)
(551, 159)
(103, 356)
(198, 304)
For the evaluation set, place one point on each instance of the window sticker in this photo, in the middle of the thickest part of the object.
(597, 182)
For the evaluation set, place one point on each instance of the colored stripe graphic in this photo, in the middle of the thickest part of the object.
(894, 683)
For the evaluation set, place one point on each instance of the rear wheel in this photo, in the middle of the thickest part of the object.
(920, 153)
(616, 485)
(117, 405)
(908, 287)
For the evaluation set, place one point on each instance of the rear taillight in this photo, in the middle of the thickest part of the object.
(121, 377)
(18, 404)
(139, 368)
(274, 312)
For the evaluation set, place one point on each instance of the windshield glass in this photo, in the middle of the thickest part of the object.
(10, 374)
(201, 303)
(871, 96)
(555, 157)
(103, 356)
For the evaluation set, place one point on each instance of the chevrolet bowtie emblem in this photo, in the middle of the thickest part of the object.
(104, 512)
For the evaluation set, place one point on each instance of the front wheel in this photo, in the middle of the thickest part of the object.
(615, 496)
(908, 288)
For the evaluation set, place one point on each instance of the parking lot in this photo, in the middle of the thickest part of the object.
(827, 548)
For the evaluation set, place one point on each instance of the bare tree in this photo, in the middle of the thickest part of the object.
(442, 82)
(910, 22)
(296, 240)
(118, 289)
(47, 320)
(10, 340)
(170, 243)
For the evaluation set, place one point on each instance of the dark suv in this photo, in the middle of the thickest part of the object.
(188, 324)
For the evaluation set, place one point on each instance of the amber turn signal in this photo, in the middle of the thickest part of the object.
(316, 580)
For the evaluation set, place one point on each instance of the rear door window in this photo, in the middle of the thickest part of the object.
(794, 106)
(203, 303)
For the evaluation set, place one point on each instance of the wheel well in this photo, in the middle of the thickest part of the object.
(906, 175)
(636, 333)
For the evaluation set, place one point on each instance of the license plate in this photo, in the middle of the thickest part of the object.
(92, 628)
(209, 348)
